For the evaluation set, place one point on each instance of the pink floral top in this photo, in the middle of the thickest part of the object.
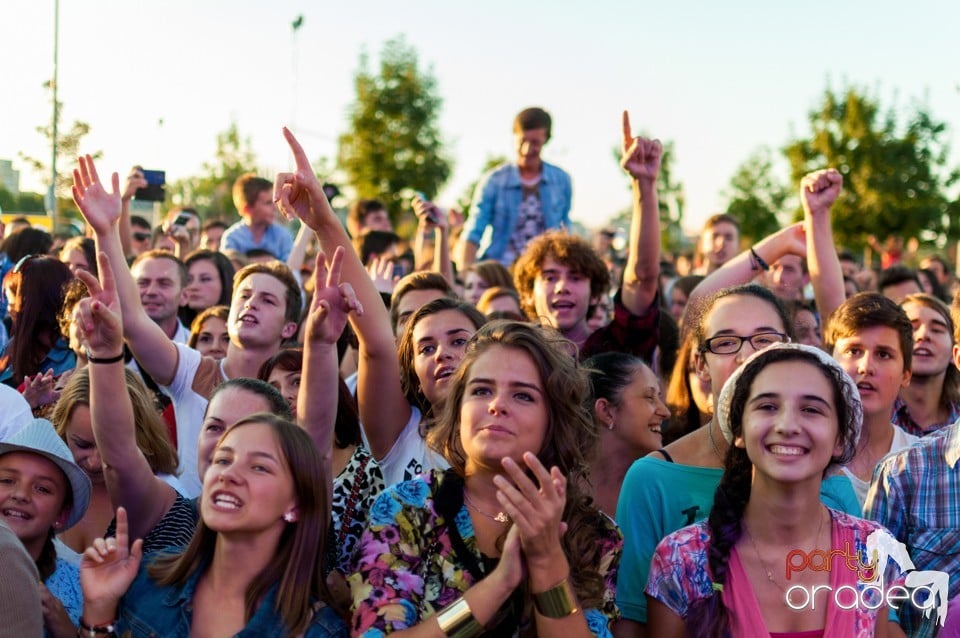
(679, 576)
(407, 569)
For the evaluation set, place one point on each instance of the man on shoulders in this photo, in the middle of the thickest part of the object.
(257, 228)
(517, 201)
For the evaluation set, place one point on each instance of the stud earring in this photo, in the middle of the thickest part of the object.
(610, 425)
(289, 517)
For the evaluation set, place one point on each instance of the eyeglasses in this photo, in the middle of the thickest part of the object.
(731, 344)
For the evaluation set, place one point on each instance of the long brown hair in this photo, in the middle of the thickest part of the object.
(297, 567)
(570, 440)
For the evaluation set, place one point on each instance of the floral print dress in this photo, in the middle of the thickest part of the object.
(408, 570)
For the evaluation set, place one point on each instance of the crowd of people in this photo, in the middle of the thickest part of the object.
(494, 427)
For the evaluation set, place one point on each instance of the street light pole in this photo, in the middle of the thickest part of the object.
(54, 208)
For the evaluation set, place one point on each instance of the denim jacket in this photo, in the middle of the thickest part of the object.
(496, 202)
(149, 610)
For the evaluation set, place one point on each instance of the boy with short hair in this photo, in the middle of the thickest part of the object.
(872, 339)
(257, 228)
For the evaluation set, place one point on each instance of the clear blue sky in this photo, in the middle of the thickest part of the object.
(718, 79)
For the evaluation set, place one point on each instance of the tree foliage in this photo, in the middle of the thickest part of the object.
(212, 192)
(757, 198)
(68, 149)
(894, 168)
(393, 145)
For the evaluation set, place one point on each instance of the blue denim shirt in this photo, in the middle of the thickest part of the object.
(276, 239)
(148, 609)
(496, 201)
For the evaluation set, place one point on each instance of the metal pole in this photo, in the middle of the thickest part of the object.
(54, 208)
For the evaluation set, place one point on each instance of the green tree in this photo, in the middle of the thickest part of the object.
(30, 203)
(8, 201)
(393, 145)
(757, 199)
(895, 173)
(69, 147)
(212, 192)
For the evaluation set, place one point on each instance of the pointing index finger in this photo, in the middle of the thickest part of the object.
(627, 132)
(298, 153)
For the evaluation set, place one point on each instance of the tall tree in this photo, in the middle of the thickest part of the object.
(393, 144)
(68, 148)
(895, 173)
(212, 192)
(757, 198)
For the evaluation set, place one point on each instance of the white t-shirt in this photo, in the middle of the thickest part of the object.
(410, 456)
(194, 381)
(901, 439)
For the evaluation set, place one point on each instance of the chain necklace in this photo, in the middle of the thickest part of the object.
(713, 442)
(763, 563)
(500, 517)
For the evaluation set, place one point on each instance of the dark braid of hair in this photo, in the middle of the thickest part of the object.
(707, 617)
(47, 561)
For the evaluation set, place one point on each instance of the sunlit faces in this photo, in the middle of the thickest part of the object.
(529, 144)
(203, 285)
(439, 341)
(503, 412)
(561, 295)
(678, 303)
(161, 290)
(258, 311)
(409, 303)
(743, 315)
(226, 408)
(790, 422)
(787, 277)
(210, 238)
(79, 437)
(719, 243)
(873, 359)
(248, 487)
(33, 491)
(896, 292)
(378, 219)
(263, 212)
(473, 287)
(213, 339)
(932, 341)
(288, 383)
(502, 303)
(640, 413)
(74, 259)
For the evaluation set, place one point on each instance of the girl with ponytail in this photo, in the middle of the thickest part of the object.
(788, 414)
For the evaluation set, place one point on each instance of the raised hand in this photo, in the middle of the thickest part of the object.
(380, 270)
(536, 511)
(640, 157)
(429, 213)
(135, 180)
(819, 190)
(300, 194)
(40, 389)
(332, 301)
(98, 317)
(100, 208)
(107, 568)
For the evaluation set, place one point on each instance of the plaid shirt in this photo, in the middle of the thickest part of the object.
(901, 416)
(915, 494)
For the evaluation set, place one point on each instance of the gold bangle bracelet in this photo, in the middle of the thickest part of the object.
(557, 602)
(456, 620)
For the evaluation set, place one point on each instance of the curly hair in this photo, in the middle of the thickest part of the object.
(573, 252)
(406, 352)
(571, 438)
(707, 617)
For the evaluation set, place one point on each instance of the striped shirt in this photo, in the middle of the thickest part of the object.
(915, 494)
(901, 417)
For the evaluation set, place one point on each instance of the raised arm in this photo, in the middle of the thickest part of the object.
(152, 348)
(641, 160)
(744, 267)
(130, 481)
(384, 409)
(432, 219)
(317, 401)
(134, 181)
(818, 192)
